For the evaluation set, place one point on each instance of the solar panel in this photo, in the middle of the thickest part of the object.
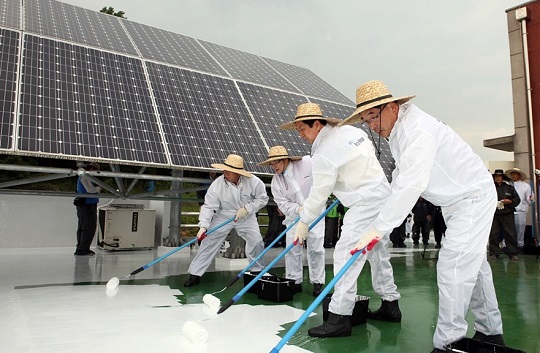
(203, 118)
(10, 13)
(58, 20)
(171, 48)
(248, 67)
(271, 108)
(307, 82)
(94, 86)
(77, 101)
(9, 42)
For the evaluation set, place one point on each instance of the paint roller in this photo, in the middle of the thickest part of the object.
(115, 281)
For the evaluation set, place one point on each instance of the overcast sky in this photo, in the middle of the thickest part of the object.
(453, 54)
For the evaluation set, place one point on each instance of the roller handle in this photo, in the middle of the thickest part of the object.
(226, 306)
(140, 269)
(233, 281)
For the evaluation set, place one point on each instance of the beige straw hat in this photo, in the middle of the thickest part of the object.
(369, 95)
(516, 170)
(278, 152)
(308, 111)
(234, 163)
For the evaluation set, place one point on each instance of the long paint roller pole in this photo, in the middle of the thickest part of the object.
(241, 273)
(267, 268)
(114, 283)
(321, 296)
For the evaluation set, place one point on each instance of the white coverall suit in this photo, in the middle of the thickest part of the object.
(432, 161)
(221, 202)
(520, 215)
(290, 189)
(344, 164)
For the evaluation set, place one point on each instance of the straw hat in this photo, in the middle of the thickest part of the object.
(276, 153)
(234, 163)
(308, 111)
(369, 95)
(516, 170)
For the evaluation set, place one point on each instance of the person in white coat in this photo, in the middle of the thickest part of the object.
(432, 161)
(290, 187)
(524, 191)
(344, 163)
(239, 194)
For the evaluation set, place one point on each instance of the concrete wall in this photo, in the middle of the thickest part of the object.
(43, 221)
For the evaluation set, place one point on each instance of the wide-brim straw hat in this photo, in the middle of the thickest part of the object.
(516, 170)
(234, 163)
(308, 111)
(276, 153)
(369, 95)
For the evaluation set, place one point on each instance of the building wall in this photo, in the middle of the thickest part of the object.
(44, 221)
(522, 146)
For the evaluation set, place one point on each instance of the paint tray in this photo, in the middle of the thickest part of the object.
(469, 345)
(256, 288)
(276, 289)
(359, 314)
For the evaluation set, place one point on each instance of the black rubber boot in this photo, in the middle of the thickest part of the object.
(389, 311)
(437, 350)
(317, 289)
(495, 339)
(192, 281)
(335, 326)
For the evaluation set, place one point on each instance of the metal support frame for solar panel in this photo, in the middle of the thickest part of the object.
(115, 91)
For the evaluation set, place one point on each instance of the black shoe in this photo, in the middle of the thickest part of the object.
(296, 288)
(389, 311)
(192, 281)
(402, 245)
(335, 326)
(84, 253)
(438, 246)
(495, 339)
(317, 289)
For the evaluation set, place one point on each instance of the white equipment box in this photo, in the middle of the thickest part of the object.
(126, 227)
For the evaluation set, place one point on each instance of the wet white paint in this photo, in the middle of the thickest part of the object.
(143, 318)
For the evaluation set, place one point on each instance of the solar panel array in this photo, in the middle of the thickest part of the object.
(79, 84)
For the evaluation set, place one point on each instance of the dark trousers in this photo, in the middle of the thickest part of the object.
(86, 227)
(503, 224)
(421, 227)
(275, 226)
(331, 231)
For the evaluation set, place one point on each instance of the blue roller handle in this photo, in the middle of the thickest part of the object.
(142, 268)
(267, 268)
(316, 302)
(241, 273)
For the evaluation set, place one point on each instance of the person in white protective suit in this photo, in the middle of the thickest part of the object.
(432, 161)
(290, 187)
(239, 194)
(344, 163)
(520, 215)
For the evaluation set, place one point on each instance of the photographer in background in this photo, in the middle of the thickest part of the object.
(86, 212)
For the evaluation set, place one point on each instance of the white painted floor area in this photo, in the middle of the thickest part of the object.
(42, 311)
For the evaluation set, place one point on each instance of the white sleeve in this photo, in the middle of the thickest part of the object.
(260, 196)
(286, 206)
(324, 178)
(211, 205)
(414, 170)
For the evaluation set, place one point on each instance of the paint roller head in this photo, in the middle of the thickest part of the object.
(113, 283)
(211, 301)
(111, 292)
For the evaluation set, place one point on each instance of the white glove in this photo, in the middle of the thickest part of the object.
(299, 209)
(201, 233)
(241, 213)
(500, 205)
(367, 241)
(301, 232)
